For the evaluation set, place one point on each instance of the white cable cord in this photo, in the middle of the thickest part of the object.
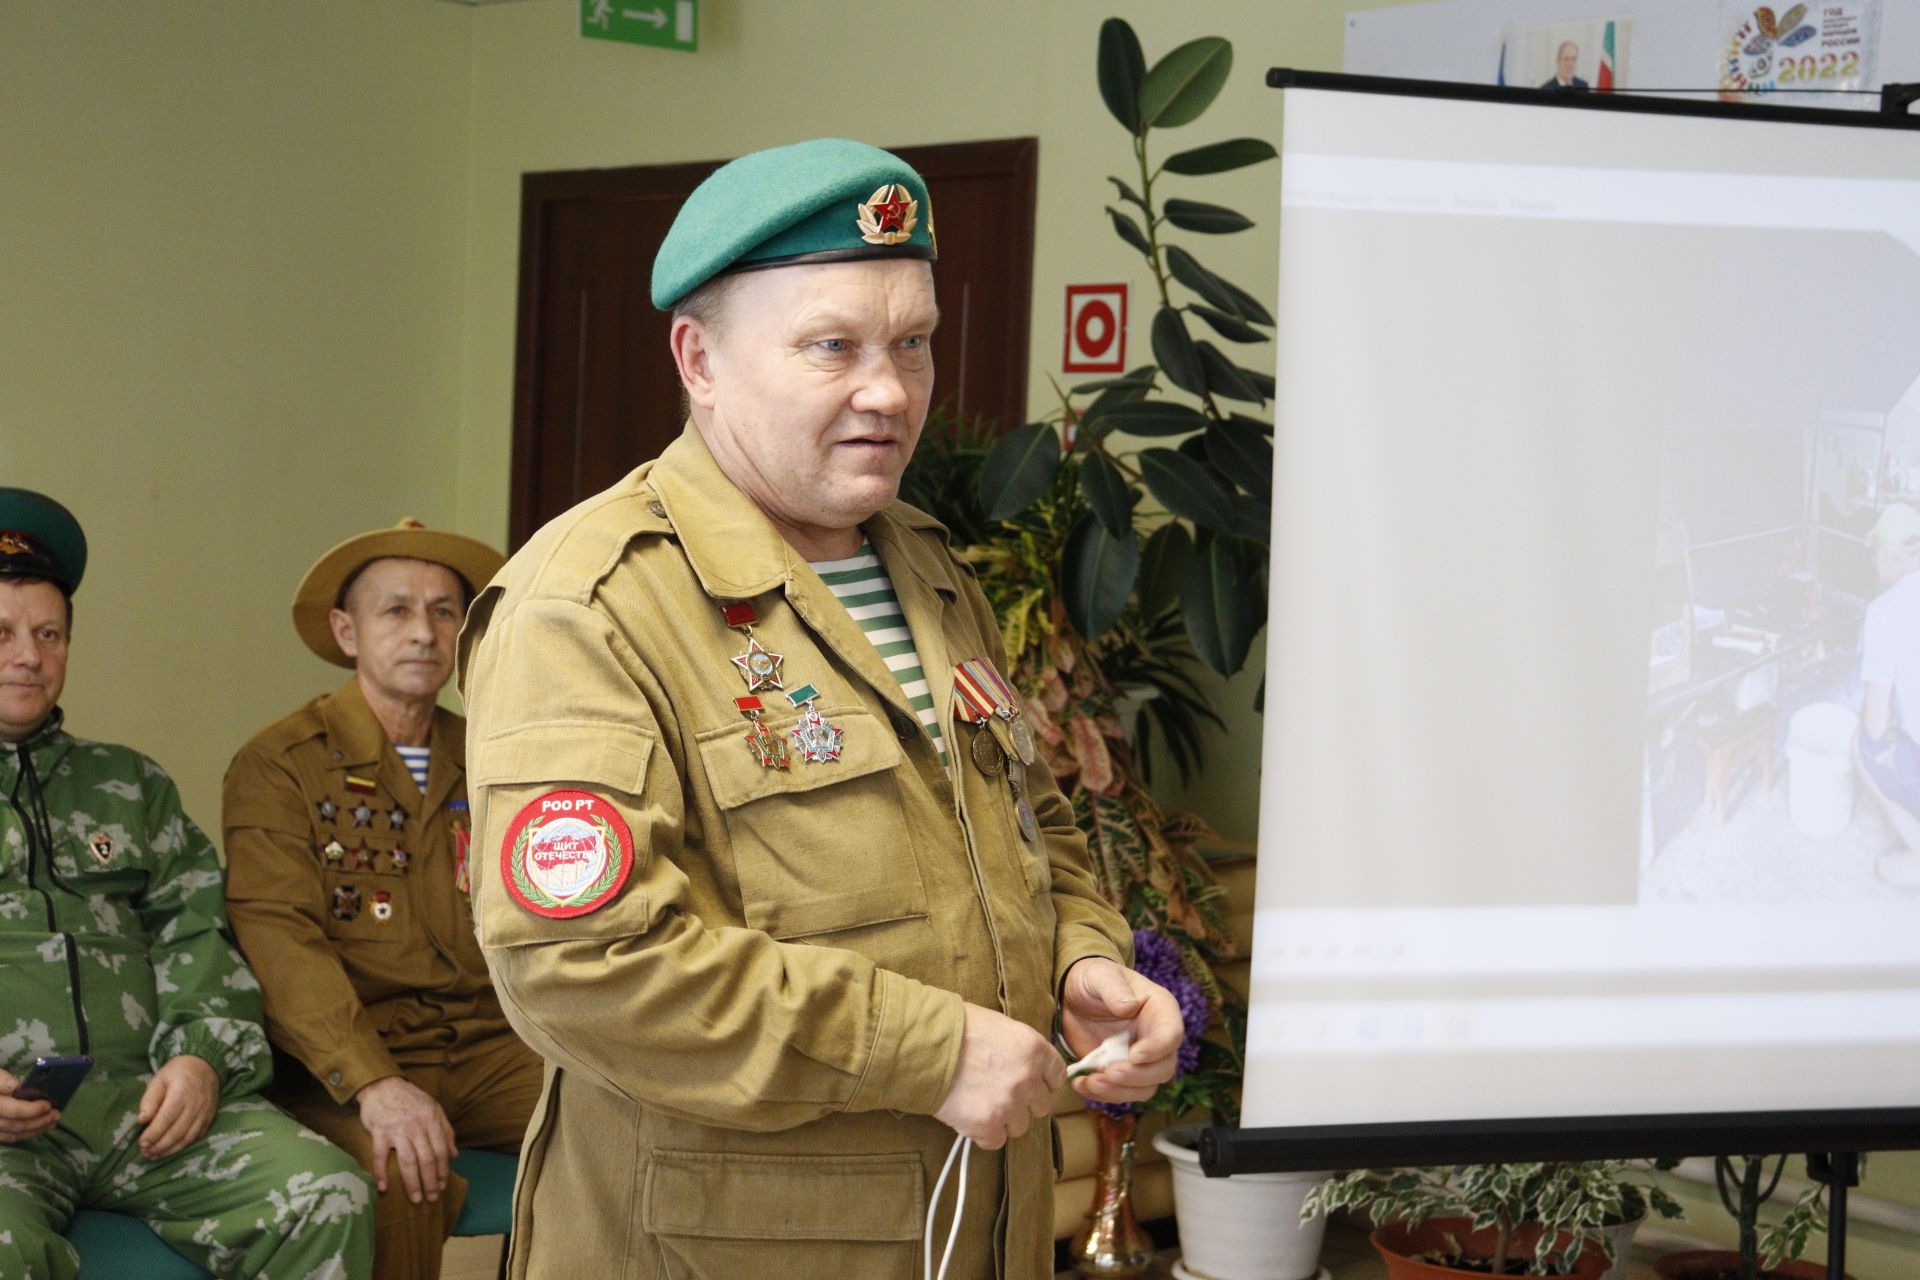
(961, 1150)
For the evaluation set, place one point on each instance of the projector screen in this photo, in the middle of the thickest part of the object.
(1585, 418)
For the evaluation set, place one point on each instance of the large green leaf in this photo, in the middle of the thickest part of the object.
(1222, 609)
(1226, 378)
(1019, 469)
(1184, 488)
(1107, 493)
(1188, 271)
(1184, 83)
(1242, 454)
(1212, 219)
(1097, 571)
(1218, 157)
(1230, 327)
(1149, 418)
(1122, 68)
(1164, 565)
(1173, 348)
(1246, 305)
(1130, 231)
(1140, 377)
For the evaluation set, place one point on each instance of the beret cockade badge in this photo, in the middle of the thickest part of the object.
(889, 215)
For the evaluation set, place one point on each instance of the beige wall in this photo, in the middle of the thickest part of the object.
(231, 250)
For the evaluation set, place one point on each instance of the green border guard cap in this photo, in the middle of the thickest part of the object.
(39, 538)
(828, 200)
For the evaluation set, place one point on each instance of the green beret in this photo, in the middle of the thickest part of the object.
(39, 538)
(828, 200)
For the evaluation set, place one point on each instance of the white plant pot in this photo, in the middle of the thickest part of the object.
(1622, 1244)
(1246, 1227)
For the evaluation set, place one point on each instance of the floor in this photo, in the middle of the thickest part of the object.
(1757, 856)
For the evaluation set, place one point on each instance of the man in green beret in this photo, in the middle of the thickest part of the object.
(114, 945)
(765, 866)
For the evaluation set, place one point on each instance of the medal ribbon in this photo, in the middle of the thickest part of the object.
(977, 690)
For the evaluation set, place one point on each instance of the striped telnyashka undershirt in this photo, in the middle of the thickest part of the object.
(416, 759)
(862, 585)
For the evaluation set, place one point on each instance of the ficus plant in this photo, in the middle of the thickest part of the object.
(1544, 1216)
(1745, 1183)
(1189, 430)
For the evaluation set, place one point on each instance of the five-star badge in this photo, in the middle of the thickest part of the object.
(759, 667)
(362, 816)
(396, 817)
(889, 215)
(328, 810)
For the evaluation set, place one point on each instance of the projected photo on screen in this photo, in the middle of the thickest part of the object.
(1592, 737)
(1784, 654)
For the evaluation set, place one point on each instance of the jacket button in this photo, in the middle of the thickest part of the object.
(904, 725)
(658, 508)
(333, 1078)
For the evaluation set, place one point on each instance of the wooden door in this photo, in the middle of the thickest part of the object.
(595, 392)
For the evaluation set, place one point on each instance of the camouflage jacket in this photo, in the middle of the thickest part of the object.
(113, 927)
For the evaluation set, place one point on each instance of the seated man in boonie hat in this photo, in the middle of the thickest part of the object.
(765, 865)
(114, 946)
(346, 830)
(1888, 749)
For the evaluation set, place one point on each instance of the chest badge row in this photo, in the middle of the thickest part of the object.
(362, 814)
(361, 858)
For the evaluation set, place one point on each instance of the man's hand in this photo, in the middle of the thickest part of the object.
(22, 1121)
(1099, 998)
(405, 1120)
(178, 1105)
(1007, 1077)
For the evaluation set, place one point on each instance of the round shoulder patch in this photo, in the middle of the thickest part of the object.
(565, 854)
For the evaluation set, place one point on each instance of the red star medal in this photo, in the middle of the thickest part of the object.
(759, 667)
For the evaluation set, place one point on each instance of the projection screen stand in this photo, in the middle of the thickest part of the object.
(1839, 1171)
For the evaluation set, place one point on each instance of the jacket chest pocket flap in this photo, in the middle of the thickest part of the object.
(817, 847)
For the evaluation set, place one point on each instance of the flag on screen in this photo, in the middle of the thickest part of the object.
(1603, 82)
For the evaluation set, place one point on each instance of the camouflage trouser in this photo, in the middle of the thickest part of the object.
(255, 1195)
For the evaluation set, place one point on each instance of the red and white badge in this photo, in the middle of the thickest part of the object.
(565, 854)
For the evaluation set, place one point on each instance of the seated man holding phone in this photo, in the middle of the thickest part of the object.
(131, 1046)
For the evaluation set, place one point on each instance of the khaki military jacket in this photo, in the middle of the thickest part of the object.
(745, 1043)
(341, 884)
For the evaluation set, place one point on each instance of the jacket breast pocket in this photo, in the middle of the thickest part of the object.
(723, 1215)
(817, 848)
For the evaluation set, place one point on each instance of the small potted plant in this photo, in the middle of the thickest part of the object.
(1537, 1219)
(1745, 1183)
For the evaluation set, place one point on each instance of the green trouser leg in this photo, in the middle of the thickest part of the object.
(255, 1195)
(36, 1203)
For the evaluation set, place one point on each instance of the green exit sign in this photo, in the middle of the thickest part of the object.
(670, 24)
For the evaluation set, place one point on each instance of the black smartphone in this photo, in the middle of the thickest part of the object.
(54, 1079)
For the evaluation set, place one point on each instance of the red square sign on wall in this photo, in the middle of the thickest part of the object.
(1096, 329)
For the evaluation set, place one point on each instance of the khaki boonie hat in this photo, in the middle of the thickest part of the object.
(319, 592)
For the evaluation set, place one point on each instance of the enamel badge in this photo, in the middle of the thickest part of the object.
(382, 905)
(759, 666)
(100, 845)
(334, 851)
(819, 742)
(346, 902)
(767, 746)
(889, 215)
(565, 854)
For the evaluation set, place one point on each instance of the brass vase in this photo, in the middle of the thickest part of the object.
(1110, 1242)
